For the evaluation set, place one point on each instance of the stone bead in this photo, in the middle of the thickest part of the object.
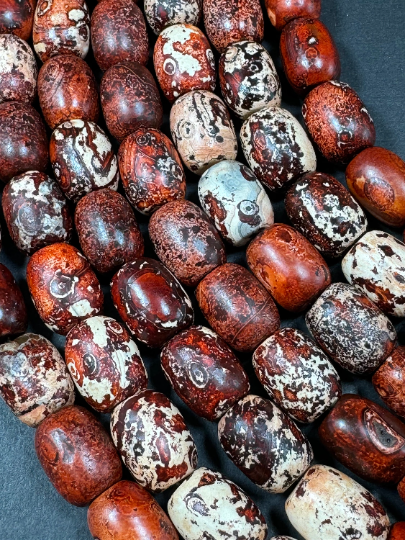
(365, 438)
(397, 531)
(36, 212)
(204, 372)
(151, 301)
(129, 99)
(104, 362)
(163, 13)
(107, 229)
(281, 12)
(401, 489)
(351, 329)
(389, 381)
(151, 170)
(376, 266)
(77, 455)
(338, 122)
(321, 209)
(202, 130)
(237, 307)
(376, 178)
(17, 17)
(18, 70)
(236, 202)
(274, 131)
(13, 313)
(118, 34)
(67, 90)
(82, 159)
(127, 511)
(330, 505)
(24, 141)
(153, 440)
(61, 27)
(280, 255)
(186, 241)
(64, 288)
(248, 78)
(48, 387)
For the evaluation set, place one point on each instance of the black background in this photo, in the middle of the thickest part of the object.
(370, 35)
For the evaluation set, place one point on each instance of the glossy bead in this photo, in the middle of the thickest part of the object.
(151, 170)
(48, 387)
(280, 255)
(376, 265)
(67, 90)
(397, 531)
(17, 17)
(236, 202)
(13, 314)
(351, 329)
(64, 288)
(186, 241)
(153, 440)
(129, 99)
(204, 372)
(328, 504)
(104, 362)
(376, 178)
(338, 121)
(118, 34)
(281, 12)
(389, 381)
(207, 504)
(126, 511)
(202, 130)
(163, 13)
(151, 301)
(325, 213)
(77, 455)
(18, 70)
(237, 307)
(276, 147)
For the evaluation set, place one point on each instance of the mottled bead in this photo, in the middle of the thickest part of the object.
(276, 147)
(281, 12)
(151, 301)
(48, 387)
(397, 531)
(163, 13)
(389, 381)
(13, 313)
(17, 17)
(186, 241)
(18, 70)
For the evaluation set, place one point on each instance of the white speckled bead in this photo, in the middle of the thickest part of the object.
(163, 13)
(18, 70)
(329, 505)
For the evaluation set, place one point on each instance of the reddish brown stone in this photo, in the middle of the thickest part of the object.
(401, 489)
(13, 314)
(397, 531)
(389, 381)
(17, 17)
(281, 12)
(18, 70)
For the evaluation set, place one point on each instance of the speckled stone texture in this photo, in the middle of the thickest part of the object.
(281, 12)
(13, 313)
(18, 70)
(163, 13)
(389, 381)
(17, 17)
(397, 531)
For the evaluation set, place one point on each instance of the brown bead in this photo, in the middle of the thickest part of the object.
(18, 70)
(237, 307)
(13, 314)
(108, 231)
(17, 17)
(397, 531)
(290, 268)
(127, 511)
(77, 455)
(129, 99)
(338, 121)
(151, 170)
(389, 381)
(376, 178)
(281, 12)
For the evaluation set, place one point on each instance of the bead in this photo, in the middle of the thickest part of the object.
(204, 372)
(104, 362)
(153, 440)
(129, 99)
(281, 12)
(401, 489)
(273, 131)
(236, 202)
(376, 265)
(389, 381)
(248, 78)
(237, 307)
(207, 504)
(397, 531)
(338, 121)
(351, 329)
(323, 211)
(107, 229)
(77, 455)
(13, 313)
(125, 511)
(36, 212)
(280, 255)
(67, 90)
(202, 130)
(151, 301)
(376, 178)
(151, 170)
(264, 444)
(118, 34)
(186, 241)
(17, 17)
(18, 70)
(328, 504)
(63, 287)
(163, 13)
(48, 387)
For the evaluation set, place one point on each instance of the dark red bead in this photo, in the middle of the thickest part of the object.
(17, 17)
(13, 314)
(281, 12)
(389, 381)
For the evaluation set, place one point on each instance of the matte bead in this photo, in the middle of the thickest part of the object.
(281, 12)
(17, 17)
(18, 70)
(163, 13)
(389, 381)
(13, 313)
(397, 531)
